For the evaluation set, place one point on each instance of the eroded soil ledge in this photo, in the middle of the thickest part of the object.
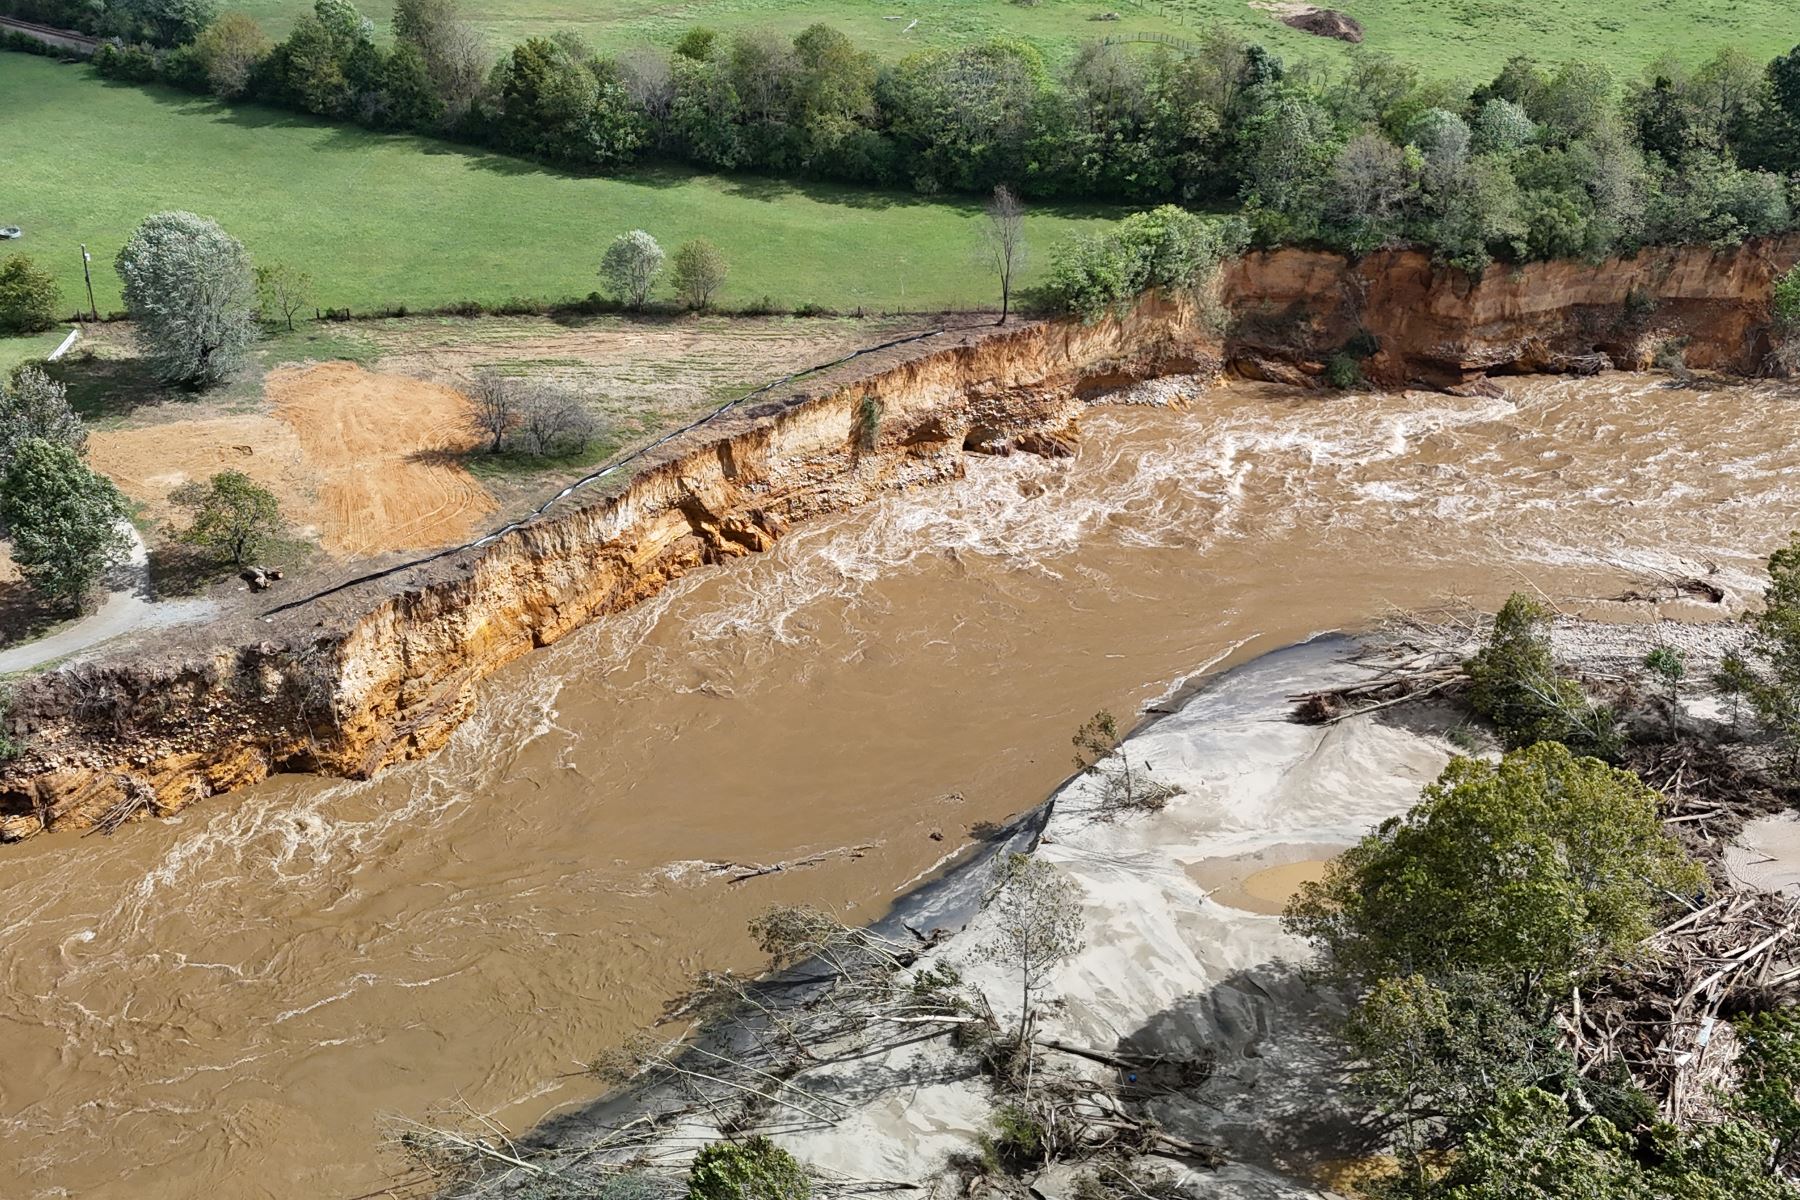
(387, 671)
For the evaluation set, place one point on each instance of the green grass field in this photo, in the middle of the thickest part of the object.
(15, 350)
(381, 220)
(1468, 38)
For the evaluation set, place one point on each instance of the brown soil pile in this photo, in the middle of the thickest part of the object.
(1326, 22)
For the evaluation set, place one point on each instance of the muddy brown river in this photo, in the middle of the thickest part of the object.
(230, 1003)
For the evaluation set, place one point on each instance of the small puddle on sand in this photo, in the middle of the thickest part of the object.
(243, 995)
(1766, 854)
(1262, 881)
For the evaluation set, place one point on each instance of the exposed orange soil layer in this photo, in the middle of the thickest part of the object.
(150, 461)
(359, 459)
(381, 448)
(364, 679)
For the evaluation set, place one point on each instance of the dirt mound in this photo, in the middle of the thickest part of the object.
(1308, 18)
(382, 450)
(1326, 22)
(363, 461)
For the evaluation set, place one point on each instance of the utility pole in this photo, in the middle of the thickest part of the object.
(89, 276)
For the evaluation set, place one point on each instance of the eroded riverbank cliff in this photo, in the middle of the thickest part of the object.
(386, 671)
(1426, 324)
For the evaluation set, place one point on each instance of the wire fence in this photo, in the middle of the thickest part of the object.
(594, 477)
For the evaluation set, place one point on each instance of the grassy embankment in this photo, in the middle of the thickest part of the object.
(1468, 38)
(383, 220)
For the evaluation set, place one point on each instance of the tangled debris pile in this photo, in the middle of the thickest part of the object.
(1667, 1021)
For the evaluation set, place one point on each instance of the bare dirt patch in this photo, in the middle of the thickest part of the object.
(150, 461)
(637, 377)
(364, 462)
(660, 368)
(376, 459)
(383, 449)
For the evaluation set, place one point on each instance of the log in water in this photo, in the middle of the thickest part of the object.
(227, 1002)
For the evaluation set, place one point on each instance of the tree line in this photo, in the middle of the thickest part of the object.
(1567, 161)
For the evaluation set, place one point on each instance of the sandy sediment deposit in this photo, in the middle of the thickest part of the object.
(1170, 967)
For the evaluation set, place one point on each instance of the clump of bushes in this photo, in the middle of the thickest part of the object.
(28, 296)
(538, 418)
(753, 1169)
(1784, 310)
(1016, 1141)
(1343, 371)
(1517, 686)
(1166, 248)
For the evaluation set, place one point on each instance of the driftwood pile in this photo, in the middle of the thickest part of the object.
(1709, 792)
(1410, 657)
(800, 1050)
(138, 797)
(1667, 1021)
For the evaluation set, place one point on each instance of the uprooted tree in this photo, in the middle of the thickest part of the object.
(1037, 922)
(1122, 788)
(753, 1169)
(1516, 686)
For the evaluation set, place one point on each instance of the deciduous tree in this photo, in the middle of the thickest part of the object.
(631, 266)
(496, 408)
(1037, 923)
(1535, 872)
(233, 515)
(189, 288)
(1003, 240)
(553, 420)
(283, 291)
(699, 271)
(66, 522)
(33, 405)
(229, 50)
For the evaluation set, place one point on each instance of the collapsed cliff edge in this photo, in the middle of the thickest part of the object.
(384, 671)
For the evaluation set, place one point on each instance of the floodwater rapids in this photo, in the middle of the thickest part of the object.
(229, 1003)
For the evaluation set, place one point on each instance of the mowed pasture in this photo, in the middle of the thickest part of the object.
(1457, 38)
(385, 220)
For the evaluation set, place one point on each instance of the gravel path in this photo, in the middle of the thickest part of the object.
(127, 607)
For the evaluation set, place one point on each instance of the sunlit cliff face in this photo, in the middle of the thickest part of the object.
(227, 1001)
